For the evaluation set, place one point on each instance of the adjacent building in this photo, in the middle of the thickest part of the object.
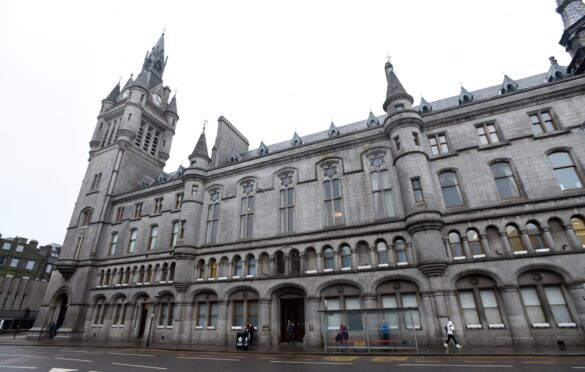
(469, 208)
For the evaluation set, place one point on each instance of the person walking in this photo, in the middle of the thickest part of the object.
(450, 328)
(385, 332)
(251, 331)
(291, 332)
(343, 336)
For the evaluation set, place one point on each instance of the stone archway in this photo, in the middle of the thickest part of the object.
(61, 308)
(291, 309)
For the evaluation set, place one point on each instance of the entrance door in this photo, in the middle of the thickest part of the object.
(62, 303)
(292, 310)
(143, 315)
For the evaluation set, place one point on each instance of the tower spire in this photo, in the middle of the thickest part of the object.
(573, 38)
(395, 90)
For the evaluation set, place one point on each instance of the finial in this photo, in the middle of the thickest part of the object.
(204, 124)
(553, 60)
(388, 58)
(164, 29)
(119, 79)
(131, 76)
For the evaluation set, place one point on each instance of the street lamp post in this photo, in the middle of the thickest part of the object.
(151, 320)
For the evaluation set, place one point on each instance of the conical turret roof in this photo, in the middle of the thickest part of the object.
(113, 96)
(200, 149)
(172, 107)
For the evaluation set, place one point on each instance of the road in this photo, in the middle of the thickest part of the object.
(60, 359)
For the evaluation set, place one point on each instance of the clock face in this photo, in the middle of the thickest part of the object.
(125, 93)
(155, 98)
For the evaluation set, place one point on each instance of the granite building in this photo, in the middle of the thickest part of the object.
(469, 208)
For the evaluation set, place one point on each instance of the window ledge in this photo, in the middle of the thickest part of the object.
(327, 270)
(160, 327)
(496, 326)
(235, 277)
(236, 328)
(225, 277)
(124, 284)
(490, 146)
(92, 192)
(364, 267)
(383, 265)
(551, 134)
(542, 250)
(402, 263)
(212, 279)
(250, 276)
(415, 327)
(311, 272)
(200, 279)
(518, 253)
(394, 327)
(479, 255)
(567, 325)
(540, 325)
(198, 327)
(345, 268)
(459, 257)
(474, 326)
(211, 328)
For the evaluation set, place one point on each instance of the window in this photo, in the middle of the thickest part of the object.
(49, 269)
(194, 190)
(287, 203)
(244, 311)
(505, 181)
(238, 267)
(542, 122)
(478, 299)
(86, 217)
(417, 190)
(345, 257)
(20, 248)
(137, 210)
(474, 242)
(207, 307)
(213, 269)
(535, 235)
(6, 246)
(113, 244)
(178, 200)
(295, 262)
(579, 228)
(397, 143)
(167, 312)
(382, 251)
(14, 262)
(96, 181)
(2, 260)
(333, 195)
(119, 312)
(487, 134)
(212, 217)
(119, 214)
(450, 189)
(132, 241)
(514, 239)
(363, 254)
(100, 312)
(158, 205)
(251, 266)
(438, 144)
(78, 245)
(405, 298)
(175, 233)
(416, 138)
(564, 170)
(400, 251)
(152, 238)
(247, 211)
(279, 263)
(382, 193)
(328, 261)
(455, 245)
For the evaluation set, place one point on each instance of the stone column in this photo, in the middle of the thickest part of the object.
(354, 259)
(178, 333)
(466, 249)
(434, 272)
(372, 322)
(188, 321)
(448, 249)
(548, 240)
(271, 265)
(373, 258)
(574, 241)
(514, 313)
(336, 259)
(265, 322)
(506, 244)
(456, 318)
(578, 301)
(313, 336)
(485, 245)
(319, 262)
(410, 256)
(302, 264)
(526, 241)
(429, 317)
(222, 322)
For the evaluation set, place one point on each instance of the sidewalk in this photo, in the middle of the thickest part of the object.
(20, 340)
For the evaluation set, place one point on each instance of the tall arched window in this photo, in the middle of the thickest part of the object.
(400, 251)
(579, 228)
(264, 265)
(543, 294)
(164, 272)
(113, 244)
(175, 233)
(238, 267)
(167, 311)
(382, 252)
(535, 235)
(473, 240)
(172, 272)
(455, 245)
(153, 237)
(310, 260)
(223, 269)
(450, 189)
(212, 217)
(287, 203)
(279, 263)
(295, 262)
(564, 170)
(328, 259)
(247, 211)
(132, 241)
(333, 195)
(514, 239)
(505, 181)
(119, 311)
(201, 269)
(345, 253)
(212, 269)
(381, 187)
(479, 300)
(251, 266)
(363, 253)
(86, 217)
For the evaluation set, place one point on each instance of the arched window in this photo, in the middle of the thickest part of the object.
(535, 236)
(382, 251)
(400, 251)
(310, 260)
(381, 187)
(264, 265)
(201, 270)
(287, 202)
(86, 217)
(153, 237)
(345, 253)
(514, 239)
(99, 312)
(172, 272)
(579, 228)
(132, 241)
(175, 233)
(127, 273)
(328, 259)
(237, 261)
(206, 306)
(141, 273)
(564, 170)
(113, 244)
(450, 189)
(167, 311)
(333, 195)
(212, 217)
(474, 242)
(279, 263)
(224, 269)
(119, 311)
(107, 280)
(394, 296)
(505, 181)
(251, 266)
(479, 301)
(247, 204)
(164, 272)
(455, 245)
(363, 253)
(212, 269)
(295, 262)
(343, 297)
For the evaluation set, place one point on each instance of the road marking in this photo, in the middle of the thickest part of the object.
(389, 359)
(341, 358)
(75, 351)
(19, 367)
(137, 366)
(537, 362)
(578, 367)
(130, 354)
(219, 359)
(75, 360)
(291, 362)
(428, 361)
(459, 365)
(267, 358)
(63, 370)
(483, 361)
(18, 355)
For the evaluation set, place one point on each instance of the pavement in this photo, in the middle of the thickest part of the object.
(20, 339)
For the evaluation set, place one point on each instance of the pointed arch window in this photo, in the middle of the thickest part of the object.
(212, 217)
(247, 211)
(505, 180)
(578, 226)
(450, 189)
(333, 196)
(381, 186)
(287, 203)
(564, 170)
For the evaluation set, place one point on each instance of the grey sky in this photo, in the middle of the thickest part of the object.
(270, 67)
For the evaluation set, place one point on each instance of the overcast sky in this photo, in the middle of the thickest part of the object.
(270, 67)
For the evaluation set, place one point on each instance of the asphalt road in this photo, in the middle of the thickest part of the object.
(59, 359)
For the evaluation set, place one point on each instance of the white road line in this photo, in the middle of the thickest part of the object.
(459, 365)
(138, 366)
(19, 367)
(75, 360)
(75, 351)
(428, 361)
(291, 362)
(578, 367)
(537, 362)
(18, 355)
(219, 359)
(129, 354)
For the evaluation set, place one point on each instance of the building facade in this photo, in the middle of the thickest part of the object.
(468, 208)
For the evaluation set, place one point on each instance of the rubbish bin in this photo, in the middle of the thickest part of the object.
(242, 341)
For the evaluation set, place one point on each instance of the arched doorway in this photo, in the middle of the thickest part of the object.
(292, 310)
(61, 307)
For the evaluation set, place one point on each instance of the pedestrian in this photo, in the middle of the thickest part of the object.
(343, 336)
(251, 331)
(450, 329)
(385, 332)
(291, 332)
